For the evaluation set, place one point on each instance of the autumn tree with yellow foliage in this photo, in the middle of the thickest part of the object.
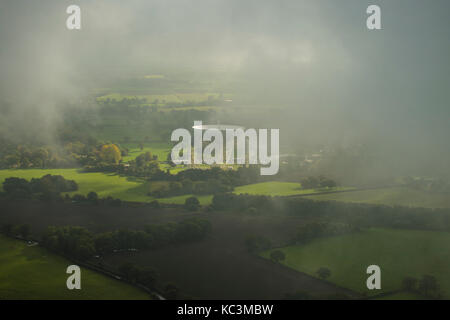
(110, 153)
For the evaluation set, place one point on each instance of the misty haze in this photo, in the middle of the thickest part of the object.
(361, 167)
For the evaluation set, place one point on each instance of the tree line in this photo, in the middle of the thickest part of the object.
(48, 186)
(355, 215)
(82, 244)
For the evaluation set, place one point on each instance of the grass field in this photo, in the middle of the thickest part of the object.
(160, 149)
(134, 189)
(391, 196)
(102, 183)
(126, 189)
(399, 253)
(34, 273)
(277, 188)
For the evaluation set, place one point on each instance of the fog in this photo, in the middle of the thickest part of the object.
(329, 80)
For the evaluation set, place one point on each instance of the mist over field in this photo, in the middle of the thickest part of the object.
(327, 79)
(351, 202)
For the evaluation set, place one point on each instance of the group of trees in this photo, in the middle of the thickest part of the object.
(277, 256)
(427, 286)
(313, 182)
(355, 215)
(90, 154)
(187, 186)
(257, 243)
(21, 230)
(241, 202)
(72, 241)
(135, 274)
(31, 156)
(48, 186)
(313, 230)
(82, 244)
(149, 278)
(92, 198)
(202, 181)
(192, 204)
(145, 165)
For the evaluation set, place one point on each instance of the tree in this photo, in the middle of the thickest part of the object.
(104, 242)
(429, 287)
(192, 204)
(323, 272)
(129, 271)
(110, 153)
(23, 230)
(257, 243)
(409, 284)
(154, 204)
(7, 229)
(77, 242)
(147, 277)
(310, 183)
(92, 197)
(17, 187)
(277, 256)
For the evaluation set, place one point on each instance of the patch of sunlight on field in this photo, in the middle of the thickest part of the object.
(159, 149)
(105, 184)
(401, 196)
(399, 253)
(34, 273)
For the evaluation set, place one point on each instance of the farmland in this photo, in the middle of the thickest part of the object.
(401, 196)
(135, 189)
(34, 273)
(104, 184)
(399, 253)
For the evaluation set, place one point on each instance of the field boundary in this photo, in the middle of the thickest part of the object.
(353, 294)
(337, 191)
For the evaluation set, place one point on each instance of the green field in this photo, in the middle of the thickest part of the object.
(399, 253)
(34, 273)
(277, 188)
(391, 196)
(160, 149)
(103, 183)
(124, 188)
(134, 189)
